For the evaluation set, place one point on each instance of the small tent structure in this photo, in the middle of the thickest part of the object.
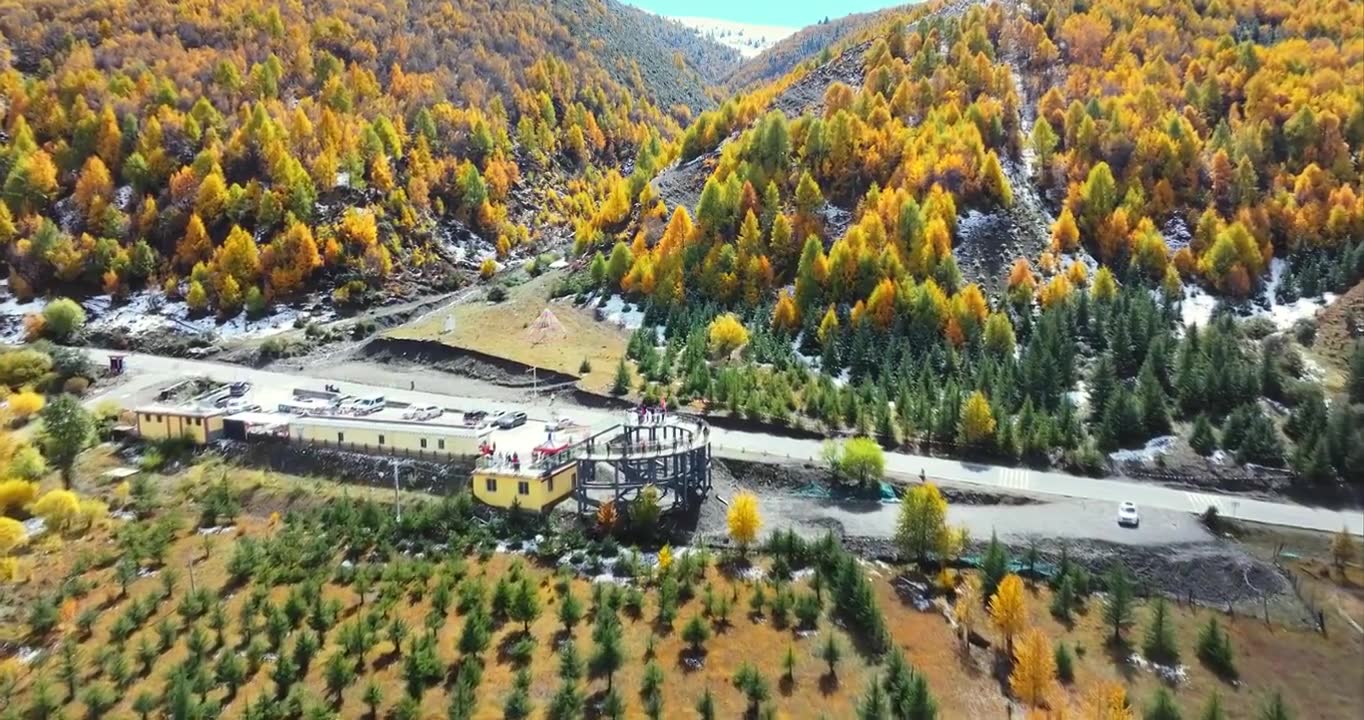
(545, 328)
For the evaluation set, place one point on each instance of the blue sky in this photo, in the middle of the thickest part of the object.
(792, 13)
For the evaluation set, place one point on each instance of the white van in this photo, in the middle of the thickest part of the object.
(368, 404)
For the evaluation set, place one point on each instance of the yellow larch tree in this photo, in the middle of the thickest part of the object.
(12, 535)
(1033, 679)
(744, 520)
(1065, 236)
(727, 334)
(1009, 609)
(1105, 287)
(1107, 700)
(967, 607)
(25, 404)
(195, 246)
(785, 315)
(977, 420)
(922, 527)
(58, 508)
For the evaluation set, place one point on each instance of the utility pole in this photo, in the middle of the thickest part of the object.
(397, 500)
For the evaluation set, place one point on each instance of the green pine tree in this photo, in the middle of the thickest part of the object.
(994, 566)
(1159, 644)
(1065, 664)
(1162, 707)
(1356, 384)
(621, 384)
(1154, 410)
(1102, 385)
(1118, 604)
(1202, 438)
(1275, 708)
(1213, 710)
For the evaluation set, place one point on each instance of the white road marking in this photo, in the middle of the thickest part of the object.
(1203, 501)
(1015, 479)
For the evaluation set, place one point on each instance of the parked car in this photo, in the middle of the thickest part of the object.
(368, 405)
(474, 418)
(558, 424)
(509, 420)
(238, 405)
(422, 412)
(238, 389)
(1128, 516)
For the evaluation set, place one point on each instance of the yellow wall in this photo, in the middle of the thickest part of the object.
(388, 439)
(159, 425)
(541, 493)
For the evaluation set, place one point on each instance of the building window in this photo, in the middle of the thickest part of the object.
(523, 487)
(381, 439)
(423, 442)
(198, 421)
(340, 437)
(491, 484)
(441, 443)
(551, 484)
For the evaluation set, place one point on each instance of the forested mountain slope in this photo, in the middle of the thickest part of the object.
(234, 151)
(805, 45)
(1114, 158)
(676, 63)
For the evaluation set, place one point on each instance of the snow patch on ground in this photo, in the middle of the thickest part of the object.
(608, 578)
(1198, 306)
(613, 310)
(1312, 370)
(1154, 448)
(150, 311)
(809, 361)
(1284, 315)
(1172, 674)
(1079, 397)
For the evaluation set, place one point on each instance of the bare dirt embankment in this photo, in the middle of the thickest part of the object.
(1340, 326)
(433, 355)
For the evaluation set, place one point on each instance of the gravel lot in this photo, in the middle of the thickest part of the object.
(1171, 552)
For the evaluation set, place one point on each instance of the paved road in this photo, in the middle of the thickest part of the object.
(147, 372)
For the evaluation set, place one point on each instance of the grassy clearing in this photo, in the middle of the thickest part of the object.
(1311, 670)
(502, 329)
(1315, 687)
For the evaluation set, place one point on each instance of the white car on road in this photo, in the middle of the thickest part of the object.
(1127, 515)
(559, 423)
(422, 412)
